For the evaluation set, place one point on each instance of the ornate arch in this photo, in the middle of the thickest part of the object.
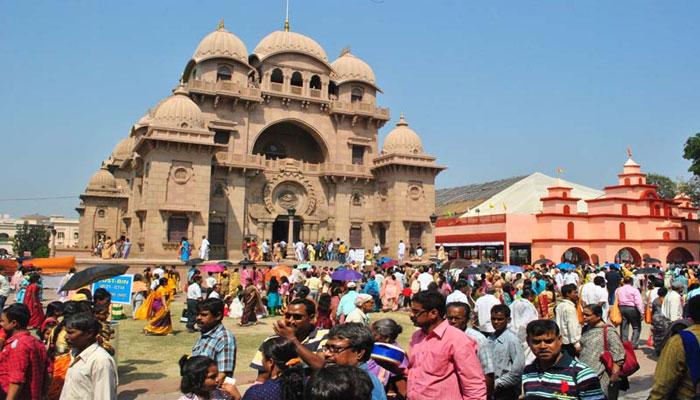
(290, 189)
(313, 132)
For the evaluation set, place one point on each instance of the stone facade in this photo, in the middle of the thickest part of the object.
(245, 138)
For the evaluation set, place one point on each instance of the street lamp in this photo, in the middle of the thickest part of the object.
(290, 234)
(433, 218)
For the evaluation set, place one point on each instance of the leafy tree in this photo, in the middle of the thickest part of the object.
(667, 188)
(691, 187)
(691, 151)
(34, 238)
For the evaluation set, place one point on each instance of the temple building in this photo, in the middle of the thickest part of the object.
(247, 143)
(522, 219)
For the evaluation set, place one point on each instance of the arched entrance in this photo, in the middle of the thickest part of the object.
(280, 228)
(628, 255)
(291, 139)
(679, 255)
(575, 255)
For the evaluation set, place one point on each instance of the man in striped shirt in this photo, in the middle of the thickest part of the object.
(555, 374)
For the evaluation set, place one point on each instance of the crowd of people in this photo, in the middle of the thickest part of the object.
(541, 333)
(107, 248)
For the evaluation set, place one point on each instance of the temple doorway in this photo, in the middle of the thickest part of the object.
(280, 228)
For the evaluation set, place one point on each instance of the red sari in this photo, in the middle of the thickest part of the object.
(36, 310)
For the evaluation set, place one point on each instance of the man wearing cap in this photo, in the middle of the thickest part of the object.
(364, 304)
(347, 302)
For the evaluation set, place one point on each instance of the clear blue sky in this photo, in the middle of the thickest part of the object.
(495, 89)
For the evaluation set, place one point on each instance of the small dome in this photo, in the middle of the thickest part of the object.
(350, 68)
(145, 120)
(289, 42)
(402, 139)
(221, 44)
(123, 149)
(178, 111)
(102, 180)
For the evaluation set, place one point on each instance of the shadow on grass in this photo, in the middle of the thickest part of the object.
(131, 394)
(127, 374)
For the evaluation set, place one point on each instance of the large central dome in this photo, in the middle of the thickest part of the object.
(289, 42)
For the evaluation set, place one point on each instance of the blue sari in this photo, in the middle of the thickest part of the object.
(185, 251)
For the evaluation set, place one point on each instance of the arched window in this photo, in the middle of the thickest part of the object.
(277, 76)
(667, 236)
(570, 230)
(219, 190)
(332, 90)
(223, 73)
(564, 195)
(567, 210)
(640, 181)
(657, 210)
(624, 209)
(297, 80)
(196, 74)
(627, 181)
(623, 231)
(76, 235)
(680, 235)
(356, 199)
(356, 94)
(690, 216)
(315, 82)
(381, 232)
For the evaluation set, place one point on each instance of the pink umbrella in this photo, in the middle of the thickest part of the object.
(213, 268)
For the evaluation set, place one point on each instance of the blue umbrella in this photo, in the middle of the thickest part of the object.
(346, 275)
(511, 268)
(566, 266)
(304, 266)
(383, 260)
(614, 265)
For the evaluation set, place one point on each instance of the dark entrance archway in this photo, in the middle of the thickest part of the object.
(628, 255)
(679, 255)
(576, 256)
(289, 139)
(280, 228)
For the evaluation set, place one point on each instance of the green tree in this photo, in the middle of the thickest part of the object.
(666, 186)
(691, 151)
(691, 187)
(34, 238)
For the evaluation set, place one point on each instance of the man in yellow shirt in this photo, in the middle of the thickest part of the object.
(342, 250)
(672, 378)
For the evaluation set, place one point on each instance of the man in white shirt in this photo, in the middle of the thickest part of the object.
(483, 306)
(5, 290)
(265, 250)
(523, 312)
(425, 279)
(567, 320)
(194, 296)
(570, 278)
(299, 250)
(594, 293)
(93, 372)
(204, 249)
(376, 250)
(559, 279)
(459, 294)
(673, 306)
(401, 251)
(211, 280)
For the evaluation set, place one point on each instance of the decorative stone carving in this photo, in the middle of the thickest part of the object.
(181, 175)
(289, 189)
(415, 190)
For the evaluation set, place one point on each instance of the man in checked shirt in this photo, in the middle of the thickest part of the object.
(215, 342)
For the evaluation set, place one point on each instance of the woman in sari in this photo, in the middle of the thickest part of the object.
(546, 302)
(273, 297)
(156, 309)
(593, 345)
(251, 298)
(391, 289)
(172, 283)
(659, 322)
(184, 250)
(32, 299)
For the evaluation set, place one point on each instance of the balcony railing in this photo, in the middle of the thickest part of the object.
(359, 108)
(277, 87)
(229, 88)
(258, 161)
(296, 90)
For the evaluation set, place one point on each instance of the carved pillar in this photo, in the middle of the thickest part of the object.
(290, 239)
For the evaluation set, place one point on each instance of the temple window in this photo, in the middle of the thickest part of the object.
(358, 154)
(356, 199)
(222, 137)
(223, 73)
(297, 80)
(570, 230)
(332, 90)
(277, 76)
(624, 209)
(177, 227)
(564, 195)
(356, 94)
(627, 181)
(680, 235)
(667, 236)
(623, 231)
(567, 210)
(315, 82)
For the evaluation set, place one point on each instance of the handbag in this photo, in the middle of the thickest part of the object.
(629, 367)
(615, 314)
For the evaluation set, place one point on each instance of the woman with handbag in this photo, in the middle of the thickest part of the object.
(597, 339)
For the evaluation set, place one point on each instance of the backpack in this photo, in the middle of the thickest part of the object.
(692, 358)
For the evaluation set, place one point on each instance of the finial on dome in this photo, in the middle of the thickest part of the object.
(629, 152)
(221, 26)
(286, 18)
(180, 89)
(402, 121)
(345, 51)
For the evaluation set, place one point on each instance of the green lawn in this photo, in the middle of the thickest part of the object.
(143, 357)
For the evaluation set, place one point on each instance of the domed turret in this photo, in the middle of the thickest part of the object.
(221, 44)
(403, 140)
(178, 111)
(349, 68)
(289, 42)
(102, 180)
(123, 149)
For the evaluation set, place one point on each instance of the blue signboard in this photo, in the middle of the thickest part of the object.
(118, 286)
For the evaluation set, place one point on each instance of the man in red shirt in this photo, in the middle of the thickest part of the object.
(23, 364)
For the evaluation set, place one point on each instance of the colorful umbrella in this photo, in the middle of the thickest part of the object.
(304, 266)
(511, 268)
(278, 272)
(389, 264)
(213, 268)
(543, 261)
(346, 275)
(566, 266)
(194, 261)
(647, 270)
(650, 260)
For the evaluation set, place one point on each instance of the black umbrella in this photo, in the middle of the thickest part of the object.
(226, 263)
(647, 270)
(650, 260)
(543, 261)
(94, 274)
(246, 261)
(194, 261)
(481, 269)
(457, 263)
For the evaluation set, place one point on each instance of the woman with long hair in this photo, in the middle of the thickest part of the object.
(32, 299)
(659, 322)
(156, 309)
(273, 297)
(547, 301)
(199, 382)
(284, 369)
(185, 249)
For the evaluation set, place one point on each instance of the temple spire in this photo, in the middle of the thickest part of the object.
(286, 18)
(221, 25)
